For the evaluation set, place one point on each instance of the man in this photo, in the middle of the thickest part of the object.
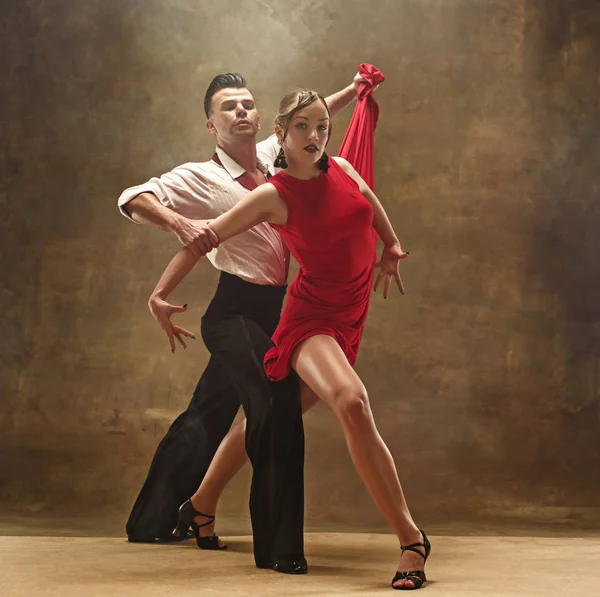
(236, 328)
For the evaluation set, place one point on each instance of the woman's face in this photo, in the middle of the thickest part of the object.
(307, 135)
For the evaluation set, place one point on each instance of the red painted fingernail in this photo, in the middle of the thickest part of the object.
(184, 306)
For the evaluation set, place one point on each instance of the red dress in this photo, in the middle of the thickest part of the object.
(330, 233)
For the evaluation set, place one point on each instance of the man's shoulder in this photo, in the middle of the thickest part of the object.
(266, 152)
(198, 167)
(268, 145)
(208, 171)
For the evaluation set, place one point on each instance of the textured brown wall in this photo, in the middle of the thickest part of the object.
(483, 377)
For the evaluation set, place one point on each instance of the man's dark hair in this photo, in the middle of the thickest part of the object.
(223, 81)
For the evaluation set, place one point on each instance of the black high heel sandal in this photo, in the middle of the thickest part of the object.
(187, 513)
(417, 577)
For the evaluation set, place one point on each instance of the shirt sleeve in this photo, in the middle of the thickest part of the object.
(185, 189)
(267, 150)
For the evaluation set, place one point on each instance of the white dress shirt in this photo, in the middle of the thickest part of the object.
(205, 190)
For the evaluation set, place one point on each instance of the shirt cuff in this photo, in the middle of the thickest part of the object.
(131, 193)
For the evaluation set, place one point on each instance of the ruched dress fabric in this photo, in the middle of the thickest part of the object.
(330, 233)
(358, 145)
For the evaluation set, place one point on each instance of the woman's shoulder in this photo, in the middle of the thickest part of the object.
(267, 190)
(343, 163)
(347, 171)
(341, 166)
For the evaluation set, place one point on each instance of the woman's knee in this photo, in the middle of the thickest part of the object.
(351, 404)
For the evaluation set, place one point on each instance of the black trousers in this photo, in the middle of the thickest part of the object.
(236, 329)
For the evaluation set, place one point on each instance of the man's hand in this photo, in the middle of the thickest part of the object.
(196, 235)
(388, 264)
(162, 311)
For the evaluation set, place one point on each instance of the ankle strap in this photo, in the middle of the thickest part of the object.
(211, 517)
(413, 547)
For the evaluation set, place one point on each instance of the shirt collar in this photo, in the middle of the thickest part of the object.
(234, 169)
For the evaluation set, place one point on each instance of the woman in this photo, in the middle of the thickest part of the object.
(328, 217)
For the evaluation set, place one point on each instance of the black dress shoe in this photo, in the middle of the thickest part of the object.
(298, 566)
(291, 566)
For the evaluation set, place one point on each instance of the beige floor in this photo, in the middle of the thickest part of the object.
(340, 564)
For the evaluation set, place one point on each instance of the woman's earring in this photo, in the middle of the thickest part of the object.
(324, 162)
(280, 161)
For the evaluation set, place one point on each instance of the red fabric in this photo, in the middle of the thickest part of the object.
(330, 234)
(358, 146)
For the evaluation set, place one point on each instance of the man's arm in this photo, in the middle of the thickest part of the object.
(147, 209)
(196, 235)
(160, 201)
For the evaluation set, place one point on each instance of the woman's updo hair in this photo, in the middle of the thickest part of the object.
(293, 102)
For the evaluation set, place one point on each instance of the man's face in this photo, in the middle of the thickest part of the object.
(233, 115)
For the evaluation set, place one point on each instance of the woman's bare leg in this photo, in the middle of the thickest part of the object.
(322, 365)
(227, 461)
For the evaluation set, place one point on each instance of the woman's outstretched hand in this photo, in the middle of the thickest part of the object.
(162, 311)
(388, 266)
